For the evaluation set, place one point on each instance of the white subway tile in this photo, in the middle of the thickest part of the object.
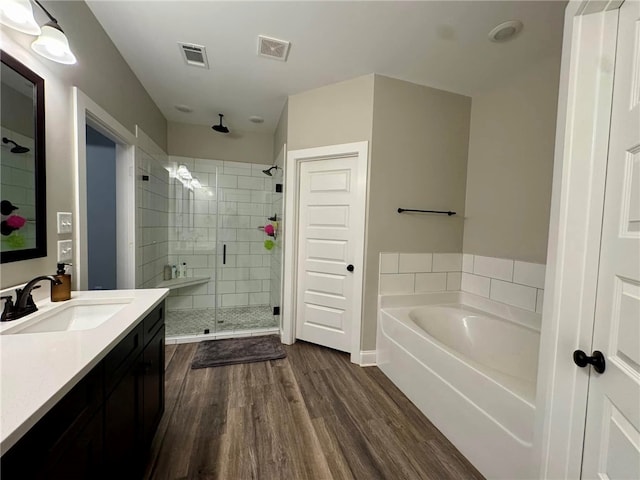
(475, 284)
(430, 282)
(259, 298)
(396, 283)
(227, 181)
(513, 294)
(447, 262)
(206, 165)
(248, 286)
(539, 301)
(227, 286)
(388, 263)
(179, 303)
(251, 183)
(454, 280)
(530, 274)
(204, 301)
(235, 300)
(499, 268)
(414, 262)
(262, 273)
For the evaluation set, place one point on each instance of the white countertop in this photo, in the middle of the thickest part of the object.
(38, 369)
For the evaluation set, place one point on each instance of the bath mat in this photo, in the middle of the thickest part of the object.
(231, 351)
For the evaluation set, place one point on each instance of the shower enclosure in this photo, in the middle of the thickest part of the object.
(222, 224)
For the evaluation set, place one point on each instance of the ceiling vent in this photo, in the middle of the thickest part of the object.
(194, 55)
(273, 48)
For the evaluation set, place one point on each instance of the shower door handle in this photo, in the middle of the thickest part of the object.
(224, 254)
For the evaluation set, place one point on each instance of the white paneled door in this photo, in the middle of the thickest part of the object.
(612, 435)
(331, 219)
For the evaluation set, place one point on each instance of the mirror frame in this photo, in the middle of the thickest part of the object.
(40, 249)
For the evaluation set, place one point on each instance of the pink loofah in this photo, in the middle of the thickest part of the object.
(16, 221)
(268, 229)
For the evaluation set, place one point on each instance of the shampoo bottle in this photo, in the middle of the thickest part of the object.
(61, 292)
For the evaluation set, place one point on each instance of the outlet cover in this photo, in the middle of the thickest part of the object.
(65, 252)
(65, 223)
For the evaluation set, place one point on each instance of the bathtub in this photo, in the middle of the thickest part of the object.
(470, 365)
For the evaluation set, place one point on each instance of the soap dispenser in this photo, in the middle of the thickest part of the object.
(61, 292)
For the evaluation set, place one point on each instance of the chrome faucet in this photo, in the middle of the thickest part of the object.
(24, 301)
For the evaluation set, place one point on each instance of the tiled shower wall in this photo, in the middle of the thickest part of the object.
(520, 284)
(17, 185)
(204, 220)
(152, 207)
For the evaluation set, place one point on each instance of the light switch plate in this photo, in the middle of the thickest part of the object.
(65, 252)
(65, 222)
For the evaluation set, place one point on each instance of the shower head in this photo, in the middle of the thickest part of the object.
(268, 170)
(16, 148)
(220, 128)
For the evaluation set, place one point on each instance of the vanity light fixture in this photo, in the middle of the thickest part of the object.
(18, 14)
(51, 43)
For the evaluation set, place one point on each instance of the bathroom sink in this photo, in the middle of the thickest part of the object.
(72, 317)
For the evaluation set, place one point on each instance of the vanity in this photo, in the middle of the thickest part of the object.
(82, 386)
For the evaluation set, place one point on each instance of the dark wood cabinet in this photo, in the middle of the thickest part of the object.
(104, 426)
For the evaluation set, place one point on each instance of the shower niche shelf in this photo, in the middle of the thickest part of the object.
(176, 283)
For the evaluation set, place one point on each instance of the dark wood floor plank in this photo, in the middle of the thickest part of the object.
(313, 415)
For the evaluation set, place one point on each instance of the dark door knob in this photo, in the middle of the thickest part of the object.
(350, 268)
(597, 360)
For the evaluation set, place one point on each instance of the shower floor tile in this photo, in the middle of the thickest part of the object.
(196, 321)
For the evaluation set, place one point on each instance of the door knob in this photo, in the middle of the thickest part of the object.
(350, 268)
(597, 360)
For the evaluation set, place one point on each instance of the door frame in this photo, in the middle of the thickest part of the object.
(577, 203)
(291, 235)
(87, 112)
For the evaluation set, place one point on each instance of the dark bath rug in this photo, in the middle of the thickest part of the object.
(230, 351)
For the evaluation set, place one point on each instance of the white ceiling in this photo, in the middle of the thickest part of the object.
(440, 44)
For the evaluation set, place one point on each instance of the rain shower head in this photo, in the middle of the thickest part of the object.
(268, 170)
(220, 128)
(16, 148)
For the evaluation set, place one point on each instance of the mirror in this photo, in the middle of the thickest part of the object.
(22, 163)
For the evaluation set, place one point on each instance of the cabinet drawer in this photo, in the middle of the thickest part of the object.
(152, 322)
(122, 356)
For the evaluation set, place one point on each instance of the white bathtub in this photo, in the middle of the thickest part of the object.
(470, 365)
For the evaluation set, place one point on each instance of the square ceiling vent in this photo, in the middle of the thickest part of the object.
(273, 48)
(194, 55)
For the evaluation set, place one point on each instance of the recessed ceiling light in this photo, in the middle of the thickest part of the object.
(183, 108)
(256, 119)
(505, 31)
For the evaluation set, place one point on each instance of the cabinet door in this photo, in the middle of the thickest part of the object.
(122, 437)
(82, 456)
(153, 385)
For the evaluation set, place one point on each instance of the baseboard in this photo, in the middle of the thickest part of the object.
(368, 358)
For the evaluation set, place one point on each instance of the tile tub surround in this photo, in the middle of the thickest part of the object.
(419, 272)
(516, 283)
(512, 282)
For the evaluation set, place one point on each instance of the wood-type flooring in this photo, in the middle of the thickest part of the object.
(313, 415)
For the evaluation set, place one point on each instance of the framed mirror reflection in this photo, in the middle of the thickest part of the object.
(22, 163)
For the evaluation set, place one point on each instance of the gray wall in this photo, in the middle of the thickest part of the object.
(338, 113)
(418, 148)
(201, 141)
(105, 77)
(101, 211)
(418, 160)
(282, 130)
(511, 166)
